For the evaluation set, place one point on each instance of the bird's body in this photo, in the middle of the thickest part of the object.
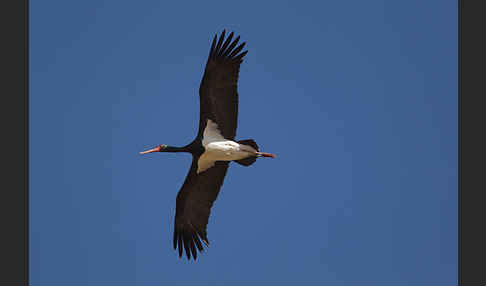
(218, 148)
(223, 150)
(214, 146)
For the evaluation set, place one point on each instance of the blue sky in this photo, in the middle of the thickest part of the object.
(358, 99)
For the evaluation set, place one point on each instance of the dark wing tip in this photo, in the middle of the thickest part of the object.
(206, 242)
(239, 58)
(189, 241)
(186, 246)
(180, 245)
(225, 50)
(175, 239)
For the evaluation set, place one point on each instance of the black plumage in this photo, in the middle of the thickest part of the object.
(218, 102)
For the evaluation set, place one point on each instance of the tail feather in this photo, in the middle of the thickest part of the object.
(250, 160)
(247, 161)
(249, 142)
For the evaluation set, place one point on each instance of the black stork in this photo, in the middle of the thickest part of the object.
(213, 148)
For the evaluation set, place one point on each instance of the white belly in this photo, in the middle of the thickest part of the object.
(218, 148)
(224, 151)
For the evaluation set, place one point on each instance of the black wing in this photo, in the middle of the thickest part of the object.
(193, 207)
(218, 90)
(218, 102)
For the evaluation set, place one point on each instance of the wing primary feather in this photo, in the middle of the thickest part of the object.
(180, 245)
(211, 51)
(186, 246)
(175, 238)
(193, 249)
(231, 47)
(240, 56)
(218, 47)
(237, 50)
(204, 238)
(206, 242)
(195, 237)
(226, 43)
(201, 235)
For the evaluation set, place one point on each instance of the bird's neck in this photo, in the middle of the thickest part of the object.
(174, 149)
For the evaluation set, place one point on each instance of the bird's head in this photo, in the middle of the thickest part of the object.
(160, 148)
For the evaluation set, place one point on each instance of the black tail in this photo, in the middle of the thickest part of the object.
(250, 160)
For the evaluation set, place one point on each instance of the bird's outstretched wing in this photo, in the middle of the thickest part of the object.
(193, 207)
(218, 90)
(218, 102)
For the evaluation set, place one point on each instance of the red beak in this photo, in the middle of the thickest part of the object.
(156, 149)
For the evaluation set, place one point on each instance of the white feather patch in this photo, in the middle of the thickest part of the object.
(211, 133)
(217, 148)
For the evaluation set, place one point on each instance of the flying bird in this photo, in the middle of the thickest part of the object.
(214, 146)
